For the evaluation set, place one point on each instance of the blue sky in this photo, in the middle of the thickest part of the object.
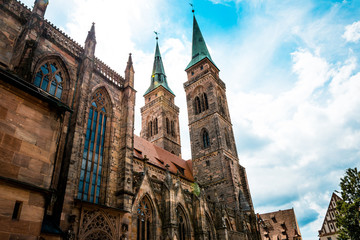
(292, 75)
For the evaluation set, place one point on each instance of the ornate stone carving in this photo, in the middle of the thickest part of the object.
(98, 224)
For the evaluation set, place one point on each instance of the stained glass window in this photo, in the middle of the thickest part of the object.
(49, 78)
(144, 219)
(182, 229)
(93, 154)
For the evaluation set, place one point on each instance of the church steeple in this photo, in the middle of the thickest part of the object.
(160, 115)
(199, 49)
(214, 155)
(158, 77)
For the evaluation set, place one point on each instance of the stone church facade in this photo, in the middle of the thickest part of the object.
(71, 166)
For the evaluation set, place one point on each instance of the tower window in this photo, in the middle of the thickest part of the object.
(17, 210)
(201, 103)
(150, 129)
(92, 160)
(197, 105)
(206, 105)
(206, 139)
(155, 126)
(201, 67)
(49, 78)
(173, 128)
(167, 126)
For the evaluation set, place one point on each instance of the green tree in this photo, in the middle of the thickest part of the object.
(348, 217)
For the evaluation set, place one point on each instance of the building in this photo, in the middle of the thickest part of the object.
(279, 225)
(71, 166)
(329, 230)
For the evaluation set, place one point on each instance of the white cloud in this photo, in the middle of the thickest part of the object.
(352, 32)
(309, 128)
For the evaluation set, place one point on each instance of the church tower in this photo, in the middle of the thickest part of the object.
(214, 155)
(160, 115)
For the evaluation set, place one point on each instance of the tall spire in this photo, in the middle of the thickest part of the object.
(158, 77)
(199, 49)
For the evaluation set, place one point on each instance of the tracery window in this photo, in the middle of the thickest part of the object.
(49, 78)
(144, 219)
(209, 229)
(205, 138)
(181, 219)
(93, 154)
(201, 103)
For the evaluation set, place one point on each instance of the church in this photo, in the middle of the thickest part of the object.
(71, 166)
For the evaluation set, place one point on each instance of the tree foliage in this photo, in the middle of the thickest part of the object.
(348, 217)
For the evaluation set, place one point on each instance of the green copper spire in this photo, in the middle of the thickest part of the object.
(158, 77)
(199, 49)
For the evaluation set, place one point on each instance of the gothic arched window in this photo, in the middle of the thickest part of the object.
(93, 154)
(155, 126)
(167, 126)
(173, 128)
(150, 129)
(197, 105)
(49, 78)
(182, 226)
(206, 104)
(144, 219)
(209, 228)
(205, 138)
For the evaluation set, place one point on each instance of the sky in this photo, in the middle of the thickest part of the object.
(292, 73)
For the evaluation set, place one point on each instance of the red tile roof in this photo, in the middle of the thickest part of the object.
(279, 223)
(160, 157)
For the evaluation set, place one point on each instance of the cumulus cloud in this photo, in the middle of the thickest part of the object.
(352, 32)
(312, 131)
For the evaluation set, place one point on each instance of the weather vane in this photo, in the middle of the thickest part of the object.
(192, 7)
(156, 33)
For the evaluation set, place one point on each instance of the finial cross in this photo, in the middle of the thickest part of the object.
(167, 166)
